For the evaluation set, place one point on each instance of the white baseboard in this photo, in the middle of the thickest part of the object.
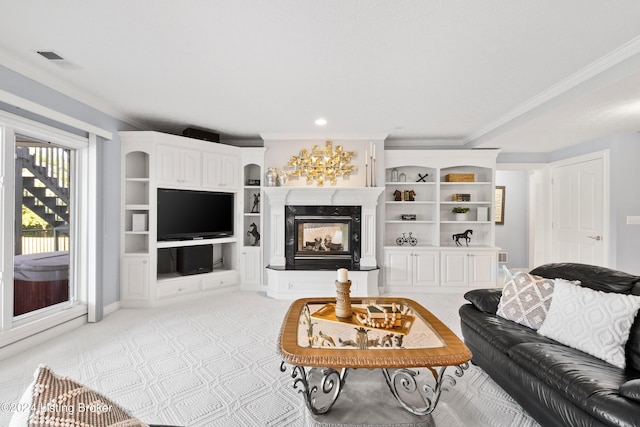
(108, 309)
(33, 340)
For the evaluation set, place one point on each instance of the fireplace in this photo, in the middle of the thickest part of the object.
(297, 270)
(322, 237)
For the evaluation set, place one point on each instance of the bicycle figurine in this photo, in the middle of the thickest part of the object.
(404, 239)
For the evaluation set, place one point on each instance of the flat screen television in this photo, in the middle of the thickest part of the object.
(186, 214)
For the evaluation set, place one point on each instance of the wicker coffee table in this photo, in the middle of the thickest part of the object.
(395, 335)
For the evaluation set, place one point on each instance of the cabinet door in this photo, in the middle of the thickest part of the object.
(211, 170)
(220, 171)
(454, 268)
(398, 268)
(426, 268)
(190, 167)
(251, 267)
(482, 269)
(229, 176)
(168, 165)
(135, 278)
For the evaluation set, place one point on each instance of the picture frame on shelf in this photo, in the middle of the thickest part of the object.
(500, 197)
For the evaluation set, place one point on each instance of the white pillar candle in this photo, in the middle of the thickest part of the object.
(343, 275)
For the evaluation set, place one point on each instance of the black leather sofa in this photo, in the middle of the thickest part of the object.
(557, 385)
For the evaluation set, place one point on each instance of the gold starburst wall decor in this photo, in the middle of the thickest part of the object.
(322, 165)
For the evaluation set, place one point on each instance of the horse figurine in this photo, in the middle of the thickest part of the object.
(465, 236)
(253, 231)
(256, 203)
(407, 196)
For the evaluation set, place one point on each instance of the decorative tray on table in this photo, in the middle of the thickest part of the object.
(370, 317)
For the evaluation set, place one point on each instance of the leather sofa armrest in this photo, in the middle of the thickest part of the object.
(485, 300)
(631, 390)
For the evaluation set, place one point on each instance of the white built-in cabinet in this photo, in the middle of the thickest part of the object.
(462, 268)
(152, 160)
(135, 273)
(414, 268)
(251, 208)
(420, 252)
(178, 167)
(219, 170)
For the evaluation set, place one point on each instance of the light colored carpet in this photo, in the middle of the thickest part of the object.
(213, 362)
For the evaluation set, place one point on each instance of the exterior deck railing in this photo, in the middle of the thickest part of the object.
(38, 241)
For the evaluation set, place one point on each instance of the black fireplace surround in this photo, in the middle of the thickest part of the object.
(322, 237)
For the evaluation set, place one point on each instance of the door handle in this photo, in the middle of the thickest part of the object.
(598, 238)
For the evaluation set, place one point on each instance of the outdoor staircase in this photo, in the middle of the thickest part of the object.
(45, 185)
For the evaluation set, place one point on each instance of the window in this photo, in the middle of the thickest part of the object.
(48, 227)
(43, 206)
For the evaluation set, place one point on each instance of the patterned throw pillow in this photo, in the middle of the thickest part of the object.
(53, 400)
(526, 299)
(595, 322)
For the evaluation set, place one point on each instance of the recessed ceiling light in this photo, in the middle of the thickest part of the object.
(321, 122)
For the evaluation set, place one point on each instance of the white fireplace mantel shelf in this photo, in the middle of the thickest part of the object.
(324, 196)
(279, 197)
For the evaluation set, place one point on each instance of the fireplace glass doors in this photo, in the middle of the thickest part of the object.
(316, 236)
(322, 237)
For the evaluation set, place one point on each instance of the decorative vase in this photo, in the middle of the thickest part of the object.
(282, 179)
(461, 217)
(394, 175)
(272, 177)
(343, 300)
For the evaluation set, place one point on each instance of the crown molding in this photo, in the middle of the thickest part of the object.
(40, 76)
(32, 107)
(417, 143)
(606, 62)
(316, 137)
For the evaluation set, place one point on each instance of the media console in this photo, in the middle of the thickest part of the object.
(154, 271)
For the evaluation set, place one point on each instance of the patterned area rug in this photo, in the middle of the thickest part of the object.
(213, 362)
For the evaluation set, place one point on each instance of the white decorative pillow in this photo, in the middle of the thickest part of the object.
(508, 275)
(595, 322)
(53, 400)
(526, 299)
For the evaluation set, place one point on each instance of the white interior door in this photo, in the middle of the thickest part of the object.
(578, 210)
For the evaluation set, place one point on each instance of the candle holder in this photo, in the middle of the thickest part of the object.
(343, 300)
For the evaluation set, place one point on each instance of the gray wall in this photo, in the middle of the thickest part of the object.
(624, 149)
(625, 195)
(624, 240)
(625, 178)
(108, 175)
(513, 236)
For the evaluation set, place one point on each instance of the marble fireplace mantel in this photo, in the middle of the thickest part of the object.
(283, 283)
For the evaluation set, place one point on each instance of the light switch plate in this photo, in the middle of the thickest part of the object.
(633, 220)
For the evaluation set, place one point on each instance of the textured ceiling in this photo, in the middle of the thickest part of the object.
(525, 76)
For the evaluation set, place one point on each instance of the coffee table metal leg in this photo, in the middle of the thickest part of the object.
(419, 400)
(319, 386)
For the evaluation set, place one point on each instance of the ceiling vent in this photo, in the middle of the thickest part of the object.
(57, 59)
(50, 55)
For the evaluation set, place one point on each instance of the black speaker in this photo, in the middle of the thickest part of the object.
(204, 135)
(195, 259)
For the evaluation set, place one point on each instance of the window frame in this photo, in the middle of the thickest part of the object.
(84, 236)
